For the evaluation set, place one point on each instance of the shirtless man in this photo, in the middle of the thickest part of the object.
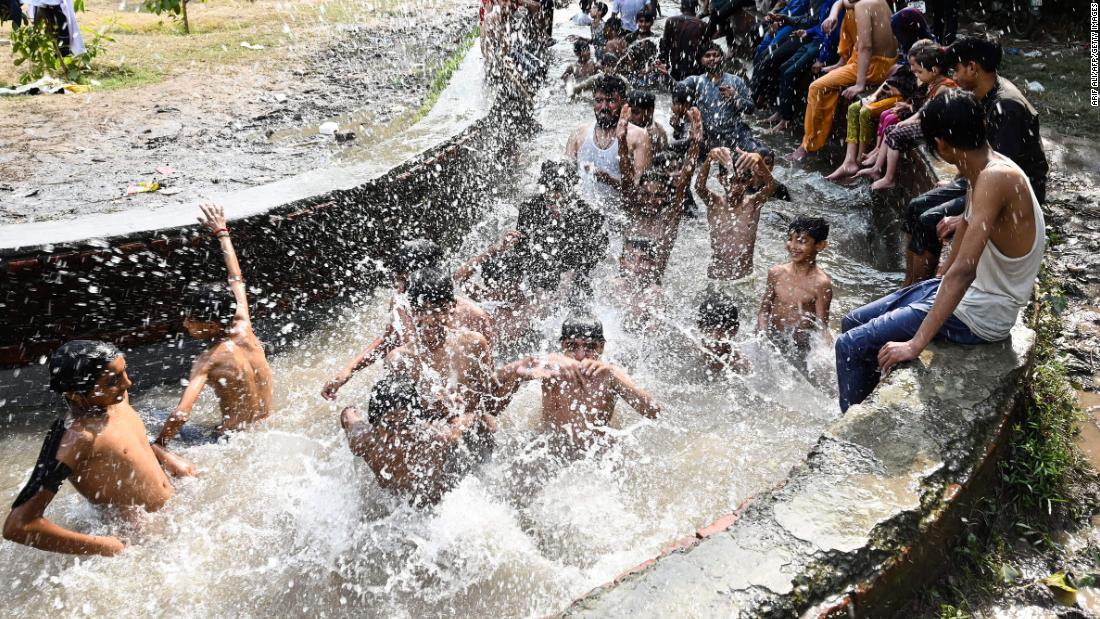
(579, 390)
(409, 453)
(451, 367)
(595, 148)
(100, 444)
(412, 255)
(235, 365)
(733, 217)
(798, 296)
(872, 61)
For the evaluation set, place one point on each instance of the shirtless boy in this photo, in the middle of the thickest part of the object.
(101, 445)
(235, 364)
(579, 390)
(409, 453)
(718, 323)
(452, 367)
(584, 67)
(411, 255)
(797, 299)
(734, 215)
(643, 104)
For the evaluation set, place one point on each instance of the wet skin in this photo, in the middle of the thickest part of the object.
(734, 215)
(112, 465)
(798, 293)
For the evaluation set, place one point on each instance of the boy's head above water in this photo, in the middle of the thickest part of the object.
(807, 237)
(208, 310)
(431, 294)
(718, 321)
(582, 337)
(394, 400)
(88, 373)
(642, 104)
(639, 259)
(583, 50)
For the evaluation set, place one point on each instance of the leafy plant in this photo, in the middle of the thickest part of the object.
(175, 8)
(36, 46)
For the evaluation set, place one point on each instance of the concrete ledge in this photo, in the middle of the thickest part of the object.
(869, 509)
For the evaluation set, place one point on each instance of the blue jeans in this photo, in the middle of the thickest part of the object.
(893, 318)
(794, 79)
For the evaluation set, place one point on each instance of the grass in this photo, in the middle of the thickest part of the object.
(1064, 103)
(443, 74)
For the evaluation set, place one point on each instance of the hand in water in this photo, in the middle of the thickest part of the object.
(660, 67)
(111, 546)
(213, 218)
(894, 353)
(177, 466)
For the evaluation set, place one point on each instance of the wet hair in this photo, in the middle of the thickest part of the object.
(582, 327)
(931, 55)
(430, 288)
(609, 60)
(957, 117)
(642, 98)
(982, 51)
(394, 393)
(208, 302)
(77, 365)
(711, 46)
(816, 227)
(655, 174)
(718, 311)
(646, 14)
(642, 244)
(416, 254)
(585, 5)
(689, 5)
(614, 24)
(903, 81)
(681, 94)
(609, 85)
(558, 174)
(580, 46)
(602, 7)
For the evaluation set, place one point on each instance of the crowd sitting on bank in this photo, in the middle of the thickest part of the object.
(623, 177)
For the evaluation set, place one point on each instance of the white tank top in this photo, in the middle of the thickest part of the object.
(590, 158)
(1002, 285)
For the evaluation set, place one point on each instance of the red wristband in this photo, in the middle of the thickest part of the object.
(219, 231)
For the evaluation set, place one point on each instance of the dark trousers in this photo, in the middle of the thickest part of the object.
(944, 16)
(58, 25)
(766, 71)
(795, 76)
(927, 210)
(16, 13)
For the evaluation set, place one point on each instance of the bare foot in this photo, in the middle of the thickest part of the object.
(882, 184)
(869, 160)
(870, 173)
(774, 118)
(798, 155)
(844, 172)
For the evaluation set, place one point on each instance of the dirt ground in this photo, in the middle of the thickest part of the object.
(200, 113)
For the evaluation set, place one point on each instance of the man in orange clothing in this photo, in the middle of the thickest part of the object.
(872, 53)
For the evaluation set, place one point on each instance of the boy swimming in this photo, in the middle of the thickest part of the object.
(235, 365)
(100, 445)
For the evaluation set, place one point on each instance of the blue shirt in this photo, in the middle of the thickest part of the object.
(721, 118)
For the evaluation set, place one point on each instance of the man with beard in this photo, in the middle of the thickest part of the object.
(595, 148)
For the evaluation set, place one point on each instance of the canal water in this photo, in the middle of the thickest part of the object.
(283, 520)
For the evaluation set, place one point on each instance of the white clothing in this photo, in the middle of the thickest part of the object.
(628, 10)
(582, 19)
(1002, 285)
(591, 158)
(76, 40)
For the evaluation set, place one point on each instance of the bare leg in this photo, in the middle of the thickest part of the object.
(873, 171)
(873, 155)
(919, 267)
(848, 167)
(355, 429)
(887, 180)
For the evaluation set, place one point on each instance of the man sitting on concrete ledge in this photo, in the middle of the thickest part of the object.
(988, 278)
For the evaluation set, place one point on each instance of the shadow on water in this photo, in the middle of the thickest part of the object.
(284, 520)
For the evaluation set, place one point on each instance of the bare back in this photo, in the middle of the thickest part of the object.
(241, 377)
(873, 23)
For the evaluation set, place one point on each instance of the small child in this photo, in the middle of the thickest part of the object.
(609, 67)
(579, 390)
(863, 117)
(930, 64)
(100, 445)
(583, 17)
(235, 365)
(644, 19)
(584, 67)
(798, 295)
(718, 323)
(642, 106)
(614, 37)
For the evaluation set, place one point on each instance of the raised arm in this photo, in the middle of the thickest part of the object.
(374, 352)
(213, 219)
(710, 199)
(26, 523)
(627, 169)
(463, 273)
(683, 181)
(638, 398)
(196, 382)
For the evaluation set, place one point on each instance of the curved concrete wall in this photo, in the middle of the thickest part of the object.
(306, 239)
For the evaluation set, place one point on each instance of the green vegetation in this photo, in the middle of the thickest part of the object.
(443, 74)
(1064, 102)
(36, 50)
(176, 8)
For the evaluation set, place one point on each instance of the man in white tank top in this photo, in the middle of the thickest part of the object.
(598, 152)
(989, 277)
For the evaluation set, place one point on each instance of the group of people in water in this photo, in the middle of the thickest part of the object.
(433, 414)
